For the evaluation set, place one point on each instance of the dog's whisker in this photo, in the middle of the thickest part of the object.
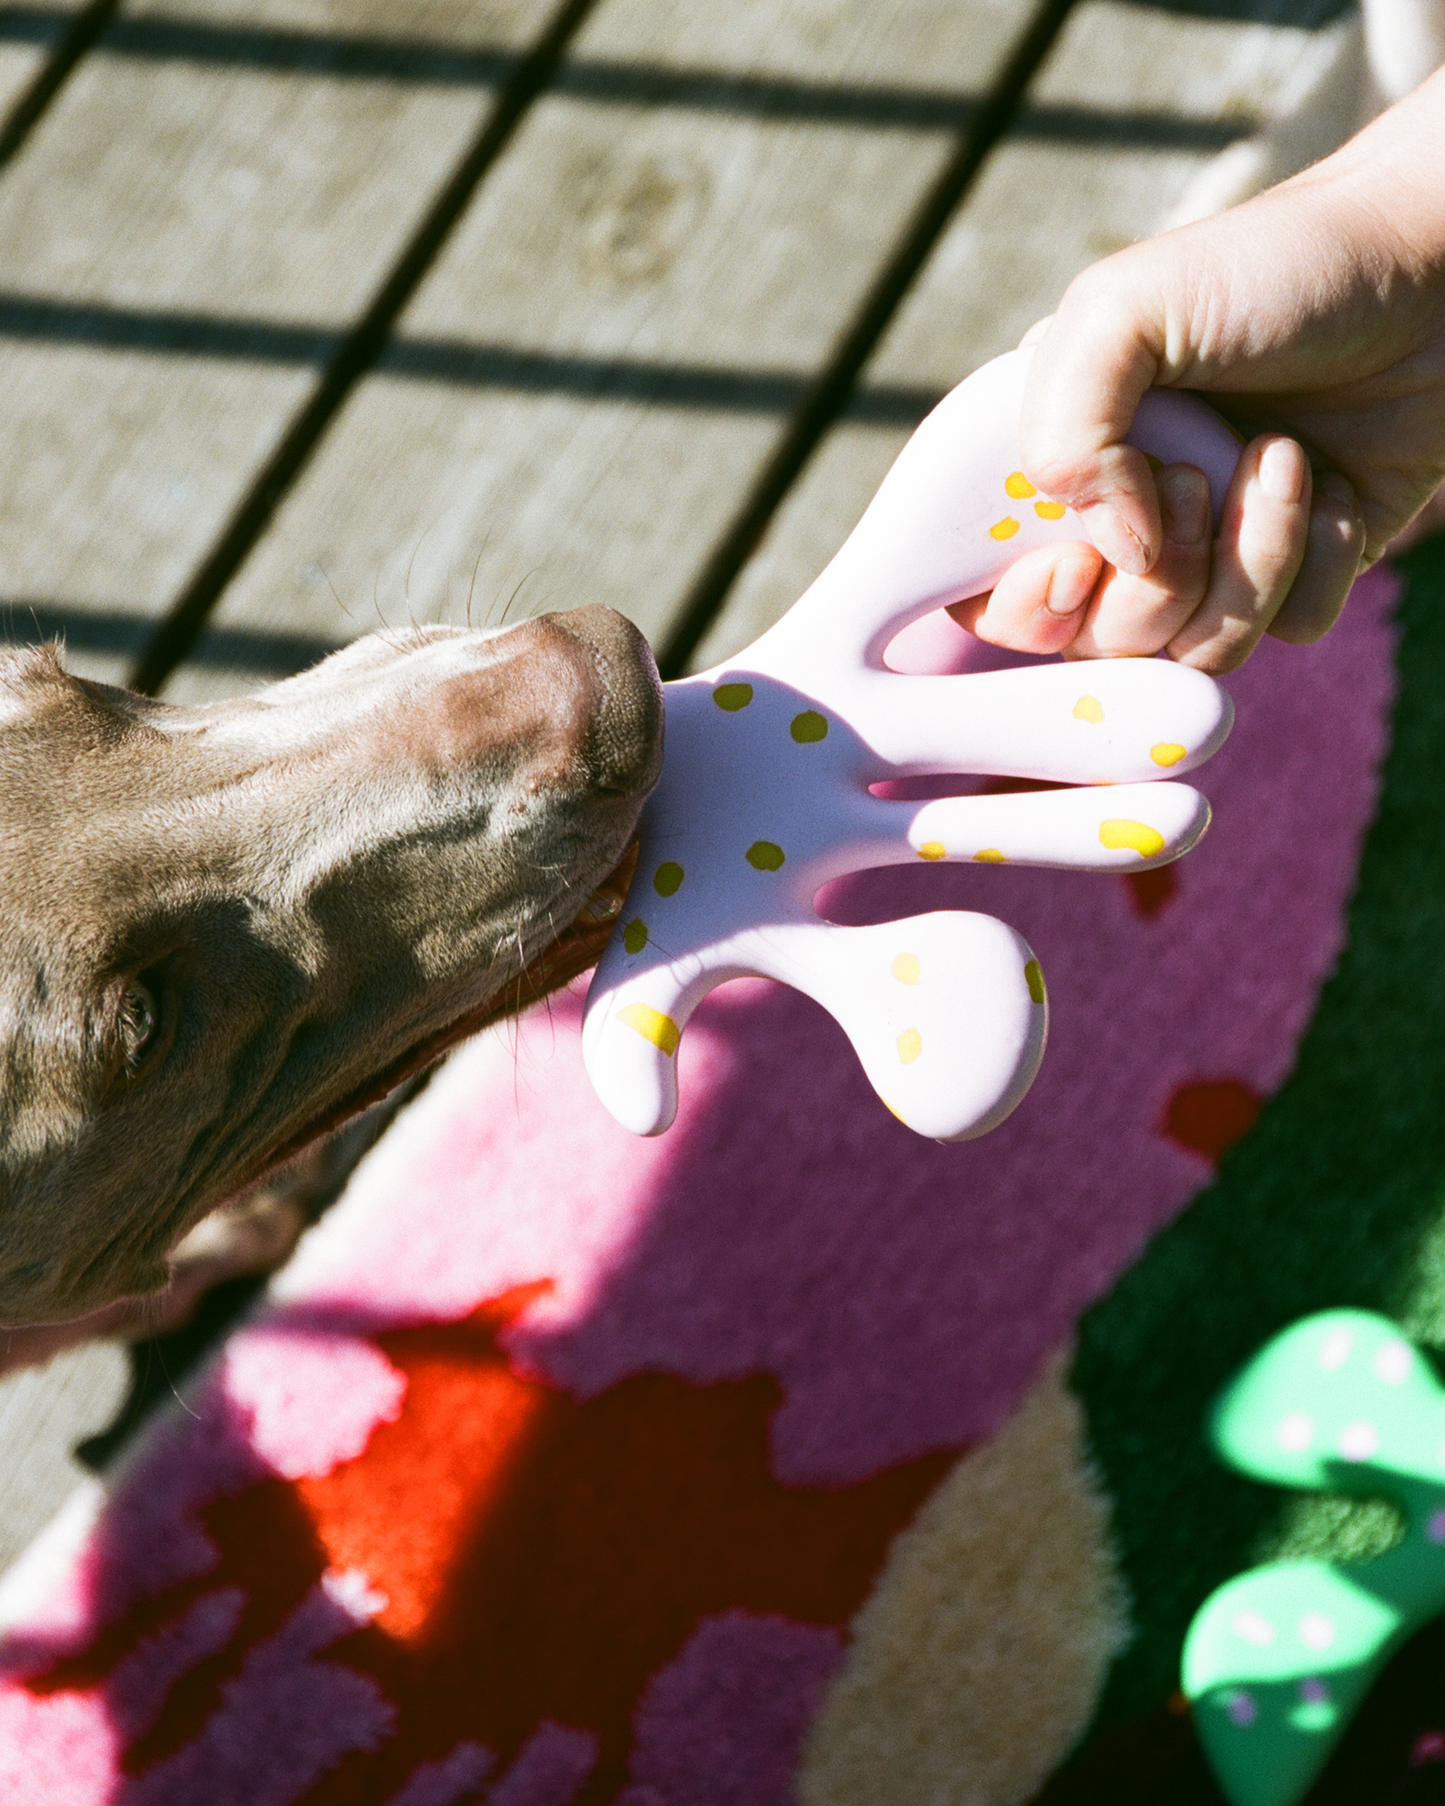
(155, 1344)
(406, 581)
(472, 586)
(335, 596)
(521, 581)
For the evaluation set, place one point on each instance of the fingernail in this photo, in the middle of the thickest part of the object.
(1184, 500)
(1283, 471)
(1071, 583)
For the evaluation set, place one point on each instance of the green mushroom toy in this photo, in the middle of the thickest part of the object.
(1278, 1659)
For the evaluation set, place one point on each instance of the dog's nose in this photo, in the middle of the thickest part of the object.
(614, 709)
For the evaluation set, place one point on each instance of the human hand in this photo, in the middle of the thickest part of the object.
(1312, 317)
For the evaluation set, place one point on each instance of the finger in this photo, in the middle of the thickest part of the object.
(1039, 602)
(1087, 374)
(1137, 616)
(1263, 530)
(1333, 550)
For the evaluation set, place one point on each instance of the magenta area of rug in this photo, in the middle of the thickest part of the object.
(563, 1466)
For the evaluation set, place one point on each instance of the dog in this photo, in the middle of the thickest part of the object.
(228, 929)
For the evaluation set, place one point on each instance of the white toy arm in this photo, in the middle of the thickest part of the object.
(1108, 721)
(1118, 828)
(946, 1013)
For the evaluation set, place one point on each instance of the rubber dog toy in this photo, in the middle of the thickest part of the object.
(1277, 1661)
(764, 794)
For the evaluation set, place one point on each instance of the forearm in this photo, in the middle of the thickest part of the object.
(1394, 170)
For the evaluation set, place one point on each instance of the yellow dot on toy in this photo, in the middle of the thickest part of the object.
(1049, 510)
(1034, 979)
(1019, 487)
(906, 968)
(1004, 529)
(1167, 752)
(1088, 708)
(891, 1111)
(933, 849)
(667, 879)
(808, 727)
(652, 1025)
(1133, 834)
(733, 697)
(910, 1045)
(988, 856)
(634, 935)
(765, 856)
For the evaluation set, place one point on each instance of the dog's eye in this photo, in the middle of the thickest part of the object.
(139, 1022)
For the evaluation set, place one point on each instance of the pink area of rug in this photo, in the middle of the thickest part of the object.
(844, 1299)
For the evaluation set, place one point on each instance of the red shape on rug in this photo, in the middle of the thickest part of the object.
(542, 1557)
(1209, 1118)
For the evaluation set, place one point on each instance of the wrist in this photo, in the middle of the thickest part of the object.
(1392, 177)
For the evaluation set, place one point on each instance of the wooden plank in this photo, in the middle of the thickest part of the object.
(1130, 105)
(456, 24)
(27, 36)
(44, 1412)
(588, 381)
(181, 239)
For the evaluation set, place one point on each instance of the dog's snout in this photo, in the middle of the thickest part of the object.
(610, 713)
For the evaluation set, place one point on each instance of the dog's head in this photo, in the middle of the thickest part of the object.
(226, 928)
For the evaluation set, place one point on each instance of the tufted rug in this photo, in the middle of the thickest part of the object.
(791, 1457)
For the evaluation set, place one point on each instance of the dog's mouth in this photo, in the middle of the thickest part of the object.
(577, 948)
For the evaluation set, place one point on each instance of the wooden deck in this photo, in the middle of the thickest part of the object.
(319, 314)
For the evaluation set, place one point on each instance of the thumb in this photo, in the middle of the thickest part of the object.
(1089, 369)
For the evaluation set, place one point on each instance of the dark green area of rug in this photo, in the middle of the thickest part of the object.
(1336, 1197)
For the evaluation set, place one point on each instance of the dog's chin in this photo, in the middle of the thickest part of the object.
(577, 949)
